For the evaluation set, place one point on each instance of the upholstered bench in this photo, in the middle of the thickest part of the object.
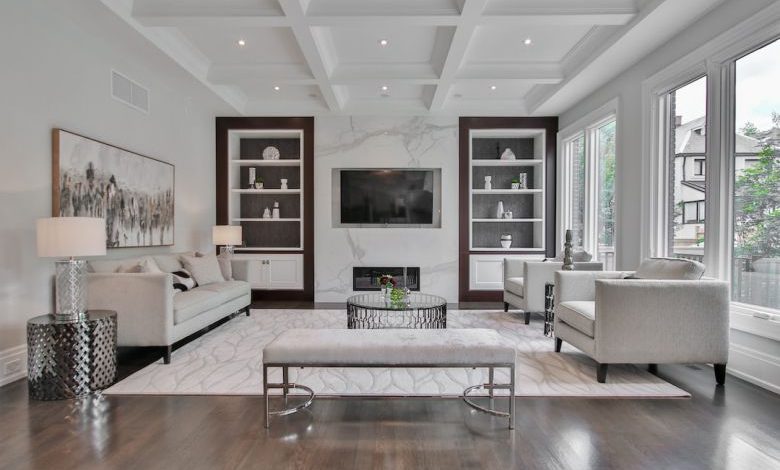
(390, 348)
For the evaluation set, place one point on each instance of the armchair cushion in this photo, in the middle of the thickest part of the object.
(515, 285)
(580, 315)
(670, 268)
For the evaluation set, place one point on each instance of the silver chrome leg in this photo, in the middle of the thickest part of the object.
(285, 381)
(512, 397)
(265, 394)
(490, 380)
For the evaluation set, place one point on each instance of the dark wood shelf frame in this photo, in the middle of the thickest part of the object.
(466, 124)
(306, 124)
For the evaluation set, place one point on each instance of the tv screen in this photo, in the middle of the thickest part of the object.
(389, 197)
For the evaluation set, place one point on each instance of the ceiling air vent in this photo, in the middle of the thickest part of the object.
(129, 92)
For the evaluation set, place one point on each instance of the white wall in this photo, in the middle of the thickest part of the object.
(55, 62)
(385, 142)
(752, 357)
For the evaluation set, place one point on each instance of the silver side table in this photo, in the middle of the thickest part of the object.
(71, 359)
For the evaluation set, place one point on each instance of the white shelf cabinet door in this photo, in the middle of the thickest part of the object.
(285, 271)
(486, 272)
(253, 271)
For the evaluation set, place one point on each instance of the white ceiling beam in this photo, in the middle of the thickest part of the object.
(560, 19)
(350, 73)
(302, 31)
(400, 20)
(157, 13)
(470, 17)
(216, 21)
(540, 72)
(295, 74)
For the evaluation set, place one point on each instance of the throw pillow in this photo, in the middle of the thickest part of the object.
(148, 265)
(204, 269)
(183, 281)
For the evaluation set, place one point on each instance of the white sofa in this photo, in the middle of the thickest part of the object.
(663, 313)
(149, 311)
(524, 282)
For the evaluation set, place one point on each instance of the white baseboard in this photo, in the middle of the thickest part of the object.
(755, 367)
(13, 364)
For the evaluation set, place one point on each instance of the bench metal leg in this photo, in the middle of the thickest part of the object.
(490, 381)
(265, 394)
(285, 382)
(512, 397)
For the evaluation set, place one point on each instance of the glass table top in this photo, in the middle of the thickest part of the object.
(415, 300)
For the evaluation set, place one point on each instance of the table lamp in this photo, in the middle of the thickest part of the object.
(227, 236)
(71, 237)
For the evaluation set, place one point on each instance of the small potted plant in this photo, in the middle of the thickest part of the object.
(258, 182)
(515, 183)
(387, 284)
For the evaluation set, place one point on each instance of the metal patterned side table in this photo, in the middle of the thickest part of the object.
(549, 306)
(71, 359)
(376, 311)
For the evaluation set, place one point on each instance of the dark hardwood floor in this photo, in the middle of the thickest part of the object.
(736, 427)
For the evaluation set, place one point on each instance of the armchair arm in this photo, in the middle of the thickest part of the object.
(143, 302)
(658, 321)
(589, 266)
(580, 285)
(536, 275)
(513, 268)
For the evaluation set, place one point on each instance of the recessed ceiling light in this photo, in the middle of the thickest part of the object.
(527, 41)
(384, 88)
(276, 88)
(492, 87)
(384, 42)
(241, 42)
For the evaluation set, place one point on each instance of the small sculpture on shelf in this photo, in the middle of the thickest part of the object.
(508, 215)
(267, 213)
(508, 154)
(270, 153)
(275, 213)
(568, 261)
(284, 183)
(488, 183)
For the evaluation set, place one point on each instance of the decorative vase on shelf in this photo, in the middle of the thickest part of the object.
(506, 241)
(284, 183)
(488, 183)
(508, 154)
(252, 176)
(267, 213)
(275, 213)
(500, 210)
(568, 261)
(523, 181)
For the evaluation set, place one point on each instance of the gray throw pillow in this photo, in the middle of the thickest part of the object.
(204, 269)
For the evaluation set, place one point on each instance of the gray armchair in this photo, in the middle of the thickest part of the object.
(524, 282)
(665, 313)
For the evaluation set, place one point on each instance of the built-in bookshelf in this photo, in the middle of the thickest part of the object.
(264, 164)
(507, 150)
(525, 202)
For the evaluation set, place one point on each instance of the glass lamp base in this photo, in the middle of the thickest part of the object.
(71, 290)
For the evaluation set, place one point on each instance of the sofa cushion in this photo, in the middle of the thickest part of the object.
(515, 285)
(205, 269)
(187, 305)
(229, 289)
(127, 265)
(580, 315)
(670, 268)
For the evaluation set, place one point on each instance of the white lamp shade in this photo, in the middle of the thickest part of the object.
(64, 237)
(227, 235)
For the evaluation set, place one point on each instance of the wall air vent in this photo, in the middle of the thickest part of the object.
(129, 92)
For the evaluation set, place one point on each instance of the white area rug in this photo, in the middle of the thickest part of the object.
(228, 361)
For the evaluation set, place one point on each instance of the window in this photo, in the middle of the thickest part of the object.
(605, 154)
(755, 272)
(698, 167)
(588, 187)
(687, 117)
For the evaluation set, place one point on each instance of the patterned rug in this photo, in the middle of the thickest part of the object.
(228, 359)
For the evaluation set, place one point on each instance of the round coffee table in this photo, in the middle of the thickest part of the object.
(418, 310)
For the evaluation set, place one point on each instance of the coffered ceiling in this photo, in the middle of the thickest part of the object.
(406, 56)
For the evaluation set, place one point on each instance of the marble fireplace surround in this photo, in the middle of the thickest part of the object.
(385, 142)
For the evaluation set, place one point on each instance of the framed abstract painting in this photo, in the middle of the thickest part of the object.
(134, 193)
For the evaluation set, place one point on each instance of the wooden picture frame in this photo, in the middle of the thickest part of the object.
(133, 192)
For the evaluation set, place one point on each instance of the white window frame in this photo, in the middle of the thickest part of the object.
(588, 127)
(716, 60)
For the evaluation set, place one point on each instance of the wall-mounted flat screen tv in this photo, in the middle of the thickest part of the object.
(387, 197)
